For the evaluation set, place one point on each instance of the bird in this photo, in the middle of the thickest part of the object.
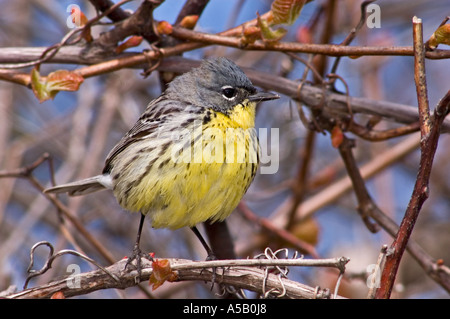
(190, 157)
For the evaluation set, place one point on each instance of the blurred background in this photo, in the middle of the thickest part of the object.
(78, 129)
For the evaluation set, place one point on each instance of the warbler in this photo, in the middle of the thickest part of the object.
(190, 157)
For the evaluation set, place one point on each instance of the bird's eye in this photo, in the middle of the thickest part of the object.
(228, 92)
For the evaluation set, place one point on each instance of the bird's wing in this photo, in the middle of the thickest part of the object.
(161, 111)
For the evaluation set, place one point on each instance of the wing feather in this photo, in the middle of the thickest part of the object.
(160, 111)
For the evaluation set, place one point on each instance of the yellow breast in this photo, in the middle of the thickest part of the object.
(205, 181)
(240, 116)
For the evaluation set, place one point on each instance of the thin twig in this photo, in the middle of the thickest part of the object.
(278, 231)
(374, 278)
(51, 257)
(420, 77)
(337, 189)
(376, 136)
(430, 132)
(51, 51)
(326, 49)
(351, 36)
(365, 203)
(27, 173)
(418, 197)
(338, 263)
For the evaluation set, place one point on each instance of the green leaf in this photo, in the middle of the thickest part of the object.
(45, 88)
(267, 33)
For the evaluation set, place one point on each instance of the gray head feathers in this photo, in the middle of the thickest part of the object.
(217, 83)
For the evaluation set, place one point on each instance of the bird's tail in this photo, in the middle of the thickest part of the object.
(84, 186)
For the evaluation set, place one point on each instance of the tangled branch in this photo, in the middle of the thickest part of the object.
(266, 275)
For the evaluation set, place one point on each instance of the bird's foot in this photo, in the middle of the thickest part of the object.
(137, 255)
(212, 257)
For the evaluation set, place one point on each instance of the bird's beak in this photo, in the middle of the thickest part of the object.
(263, 96)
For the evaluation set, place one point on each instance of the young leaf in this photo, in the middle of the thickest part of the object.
(164, 27)
(79, 19)
(267, 33)
(250, 35)
(286, 11)
(131, 42)
(440, 36)
(58, 295)
(161, 272)
(46, 88)
(189, 22)
(336, 136)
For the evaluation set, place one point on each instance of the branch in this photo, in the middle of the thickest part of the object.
(139, 23)
(312, 96)
(351, 36)
(365, 202)
(376, 136)
(241, 274)
(280, 232)
(430, 131)
(326, 49)
(418, 197)
(438, 272)
(309, 95)
(420, 77)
